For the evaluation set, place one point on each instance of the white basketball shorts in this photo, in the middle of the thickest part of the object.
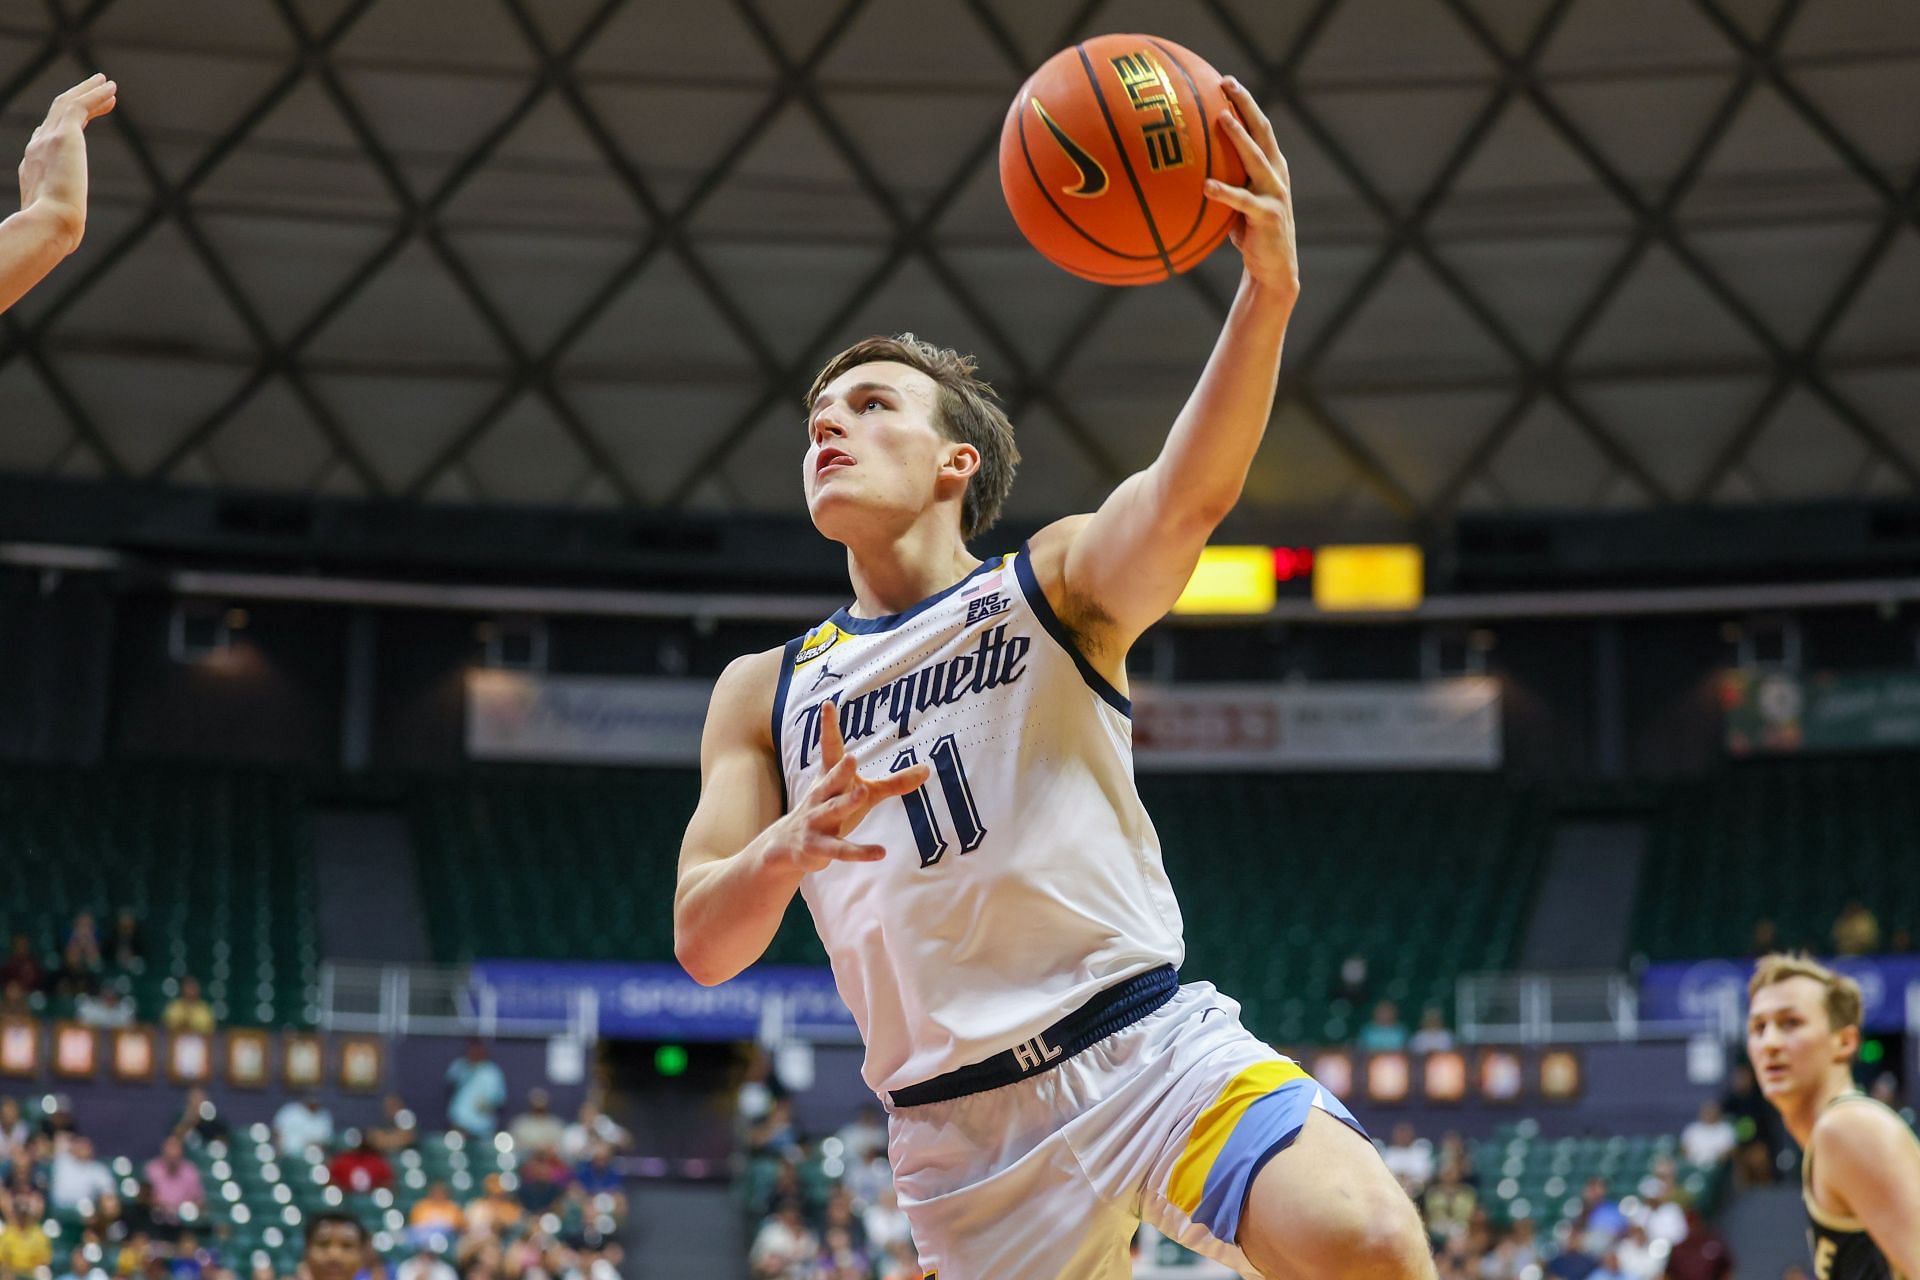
(1048, 1178)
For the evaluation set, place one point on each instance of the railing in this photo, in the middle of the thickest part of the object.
(397, 1000)
(1545, 1008)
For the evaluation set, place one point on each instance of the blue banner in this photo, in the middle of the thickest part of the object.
(660, 1002)
(1695, 989)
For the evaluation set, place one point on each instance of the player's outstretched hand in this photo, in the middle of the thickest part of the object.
(53, 174)
(1265, 234)
(837, 801)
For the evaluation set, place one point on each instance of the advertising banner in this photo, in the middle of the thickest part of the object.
(1777, 713)
(1694, 989)
(515, 715)
(660, 1002)
(1444, 724)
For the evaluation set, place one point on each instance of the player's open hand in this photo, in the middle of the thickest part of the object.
(1264, 235)
(837, 802)
(53, 174)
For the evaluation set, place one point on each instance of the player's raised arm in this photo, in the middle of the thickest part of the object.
(1133, 557)
(53, 190)
(742, 858)
(1869, 1157)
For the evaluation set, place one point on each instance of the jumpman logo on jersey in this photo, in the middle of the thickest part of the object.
(825, 673)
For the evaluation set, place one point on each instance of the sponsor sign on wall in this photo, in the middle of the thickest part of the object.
(1447, 724)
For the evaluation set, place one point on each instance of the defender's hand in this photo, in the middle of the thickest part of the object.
(836, 803)
(1265, 235)
(53, 174)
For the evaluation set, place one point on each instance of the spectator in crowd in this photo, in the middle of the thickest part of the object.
(78, 1178)
(1857, 931)
(335, 1249)
(425, 1264)
(775, 1135)
(1703, 1255)
(302, 1123)
(24, 1246)
(14, 1129)
(1350, 984)
(436, 1214)
(537, 1126)
(544, 1179)
(136, 1251)
(398, 1129)
(863, 1135)
(23, 966)
(104, 1009)
(31, 1170)
(59, 1119)
(188, 1011)
(191, 1260)
(1599, 1221)
(15, 1001)
(1659, 1210)
(494, 1211)
(80, 960)
(1433, 1035)
(1384, 1031)
(173, 1182)
(1709, 1139)
(1410, 1159)
(1766, 939)
(1448, 1204)
(360, 1168)
(592, 1126)
(783, 1245)
(1636, 1256)
(200, 1121)
(885, 1222)
(597, 1179)
(479, 1088)
(126, 950)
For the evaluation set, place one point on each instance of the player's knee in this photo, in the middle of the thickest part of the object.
(1392, 1246)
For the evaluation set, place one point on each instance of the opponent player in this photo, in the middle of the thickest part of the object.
(944, 771)
(1860, 1171)
(53, 190)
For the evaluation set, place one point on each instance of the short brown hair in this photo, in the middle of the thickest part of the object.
(968, 411)
(1843, 993)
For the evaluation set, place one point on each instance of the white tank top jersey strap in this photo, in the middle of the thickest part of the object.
(1025, 877)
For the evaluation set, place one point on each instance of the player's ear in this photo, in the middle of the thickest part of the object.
(962, 460)
(1849, 1041)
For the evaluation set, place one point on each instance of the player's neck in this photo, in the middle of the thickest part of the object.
(1801, 1112)
(892, 576)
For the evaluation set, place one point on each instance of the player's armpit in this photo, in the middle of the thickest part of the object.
(1871, 1161)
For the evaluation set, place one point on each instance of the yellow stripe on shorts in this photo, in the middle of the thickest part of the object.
(1216, 1124)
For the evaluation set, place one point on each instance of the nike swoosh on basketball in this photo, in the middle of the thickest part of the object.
(1093, 178)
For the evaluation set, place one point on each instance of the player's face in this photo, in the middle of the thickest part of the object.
(334, 1252)
(874, 447)
(1790, 1040)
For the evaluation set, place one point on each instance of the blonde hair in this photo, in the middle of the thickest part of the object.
(969, 412)
(1843, 993)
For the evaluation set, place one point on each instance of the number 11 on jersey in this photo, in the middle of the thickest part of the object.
(954, 787)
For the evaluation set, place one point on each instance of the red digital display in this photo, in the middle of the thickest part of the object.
(1291, 563)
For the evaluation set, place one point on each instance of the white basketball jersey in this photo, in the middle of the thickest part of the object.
(1025, 876)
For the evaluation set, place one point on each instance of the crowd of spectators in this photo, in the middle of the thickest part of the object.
(553, 1217)
(92, 977)
(1655, 1231)
(822, 1210)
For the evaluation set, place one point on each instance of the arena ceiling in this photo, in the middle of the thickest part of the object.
(1559, 254)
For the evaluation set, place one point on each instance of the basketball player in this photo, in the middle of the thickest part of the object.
(336, 1247)
(53, 190)
(1860, 1169)
(944, 771)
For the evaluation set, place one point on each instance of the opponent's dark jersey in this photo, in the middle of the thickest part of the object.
(1842, 1250)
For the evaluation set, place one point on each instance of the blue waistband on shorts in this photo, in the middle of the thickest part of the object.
(1118, 1007)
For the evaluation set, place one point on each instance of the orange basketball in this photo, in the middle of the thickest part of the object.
(1105, 154)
